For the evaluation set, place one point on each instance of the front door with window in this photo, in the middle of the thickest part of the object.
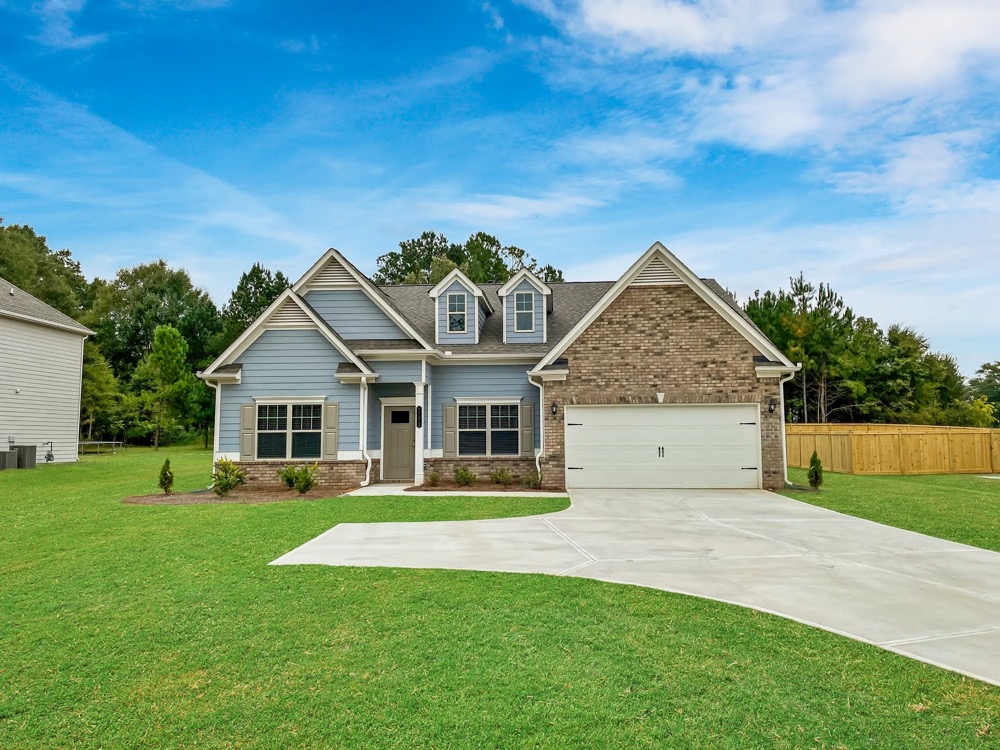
(398, 443)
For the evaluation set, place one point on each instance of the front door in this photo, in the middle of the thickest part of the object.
(398, 443)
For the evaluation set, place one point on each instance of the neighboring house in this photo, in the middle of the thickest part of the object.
(656, 380)
(41, 371)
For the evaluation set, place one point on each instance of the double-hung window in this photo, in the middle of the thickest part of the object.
(456, 313)
(276, 440)
(524, 312)
(489, 429)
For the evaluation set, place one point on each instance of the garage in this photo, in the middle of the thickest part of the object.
(653, 446)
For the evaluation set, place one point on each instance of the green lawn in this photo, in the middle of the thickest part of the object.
(150, 626)
(960, 507)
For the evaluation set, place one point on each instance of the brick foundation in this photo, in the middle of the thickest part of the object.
(661, 339)
(340, 475)
(518, 466)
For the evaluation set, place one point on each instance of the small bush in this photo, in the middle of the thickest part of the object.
(815, 471)
(463, 476)
(166, 478)
(501, 476)
(228, 476)
(533, 480)
(301, 478)
(432, 479)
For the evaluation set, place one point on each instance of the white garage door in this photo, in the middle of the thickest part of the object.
(663, 446)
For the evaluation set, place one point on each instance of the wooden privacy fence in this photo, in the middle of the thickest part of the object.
(895, 449)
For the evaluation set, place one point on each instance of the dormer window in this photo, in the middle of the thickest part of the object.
(524, 312)
(456, 313)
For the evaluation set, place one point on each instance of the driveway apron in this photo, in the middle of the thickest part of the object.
(916, 595)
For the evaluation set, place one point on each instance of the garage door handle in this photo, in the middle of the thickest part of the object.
(574, 424)
(575, 468)
(753, 423)
(749, 468)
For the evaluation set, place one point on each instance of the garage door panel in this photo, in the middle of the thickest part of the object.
(663, 446)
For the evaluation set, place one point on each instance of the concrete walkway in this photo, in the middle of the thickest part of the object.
(923, 597)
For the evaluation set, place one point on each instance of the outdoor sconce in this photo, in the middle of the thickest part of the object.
(554, 408)
(772, 405)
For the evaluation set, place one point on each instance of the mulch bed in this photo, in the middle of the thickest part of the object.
(239, 496)
(478, 487)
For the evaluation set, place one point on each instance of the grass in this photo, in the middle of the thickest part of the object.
(959, 507)
(162, 626)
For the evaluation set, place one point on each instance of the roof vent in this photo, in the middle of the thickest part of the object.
(657, 273)
(12, 291)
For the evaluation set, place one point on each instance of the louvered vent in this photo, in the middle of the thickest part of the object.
(332, 274)
(290, 315)
(657, 272)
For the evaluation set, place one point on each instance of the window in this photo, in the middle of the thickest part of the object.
(497, 436)
(456, 313)
(303, 440)
(524, 312)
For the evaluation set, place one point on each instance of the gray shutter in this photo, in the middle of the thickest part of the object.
(331, 421)
(527, 429)
(248, 431)
(450, 431)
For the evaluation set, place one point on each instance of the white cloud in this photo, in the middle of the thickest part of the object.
(57, 31)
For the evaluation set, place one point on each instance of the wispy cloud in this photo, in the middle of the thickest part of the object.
(57, 20)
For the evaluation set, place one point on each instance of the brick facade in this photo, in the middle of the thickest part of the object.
(481, 466)
(341, 475)
(661, 339)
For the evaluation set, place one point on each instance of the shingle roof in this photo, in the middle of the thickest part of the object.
(730, 300)
(570, 301)
(16, 302)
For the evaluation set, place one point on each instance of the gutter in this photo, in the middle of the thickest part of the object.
(784, 446)
(540, 385)
(363, 429)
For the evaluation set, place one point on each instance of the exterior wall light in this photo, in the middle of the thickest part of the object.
(554, 408)
(772, 405)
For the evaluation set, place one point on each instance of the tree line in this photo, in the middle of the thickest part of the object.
(154, 329)
(854, 371)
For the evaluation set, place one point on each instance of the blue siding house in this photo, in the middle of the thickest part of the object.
(390, 383)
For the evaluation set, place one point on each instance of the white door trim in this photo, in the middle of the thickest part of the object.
(388, 402)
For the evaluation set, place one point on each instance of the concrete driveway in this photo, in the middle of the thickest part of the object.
(923, 597)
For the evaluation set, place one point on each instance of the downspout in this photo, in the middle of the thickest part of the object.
(540, 385)
(364, 433)
(784, 447)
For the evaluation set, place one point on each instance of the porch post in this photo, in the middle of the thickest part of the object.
(418, 441)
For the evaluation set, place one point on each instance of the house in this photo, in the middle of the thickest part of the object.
(657, 379)
(41, 370)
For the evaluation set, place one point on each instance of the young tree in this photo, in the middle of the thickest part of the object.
(986, 384)
(170, 381)
(100, 395)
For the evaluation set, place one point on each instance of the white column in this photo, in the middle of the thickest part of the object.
(418, 437)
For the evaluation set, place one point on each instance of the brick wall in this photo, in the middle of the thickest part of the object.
(518, 467)
(334, 474)
(661, 339)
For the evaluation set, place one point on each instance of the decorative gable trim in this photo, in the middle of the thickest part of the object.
(329, 273)
(288, 311)
(656, 273)
(670, 261)
(517, 278)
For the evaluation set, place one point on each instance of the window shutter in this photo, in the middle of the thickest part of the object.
(331, 421)
(527, 429)
(248, 431)
(450, 430)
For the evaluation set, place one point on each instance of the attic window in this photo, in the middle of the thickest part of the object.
(524, 312)
(456, 313)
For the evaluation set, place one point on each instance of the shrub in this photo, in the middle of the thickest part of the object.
(533, 480)
(228, 476)
(463, 476)
(432, 479)
(501, 476)
(815, 471)
(166, 478)
(301, 478)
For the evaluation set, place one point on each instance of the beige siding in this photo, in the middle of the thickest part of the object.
(40, 375)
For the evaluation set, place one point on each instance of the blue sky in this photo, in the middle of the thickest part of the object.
(854, 141)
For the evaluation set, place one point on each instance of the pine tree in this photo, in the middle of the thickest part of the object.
(815, 471)
(166, 478)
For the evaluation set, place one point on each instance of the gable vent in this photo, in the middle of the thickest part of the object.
(656, 272)
(290, 315)
(332, 274)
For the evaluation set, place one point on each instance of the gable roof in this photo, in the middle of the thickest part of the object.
(520, 276)
(288, 311)
(456, 275)
(334, 270)
(17, 303)
(668, 270)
